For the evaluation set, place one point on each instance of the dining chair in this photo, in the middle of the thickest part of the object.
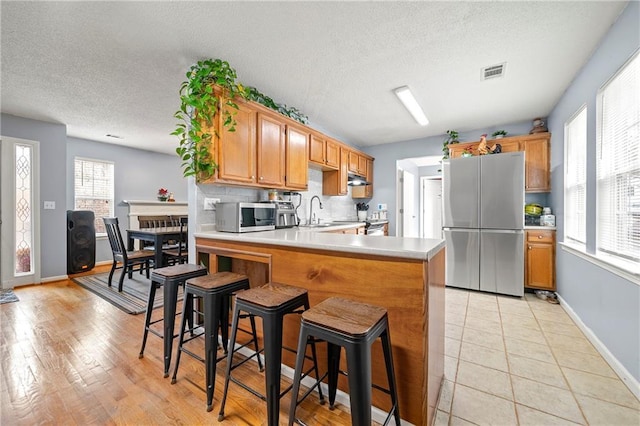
(128, 259)
(157, 221)
(180, 253)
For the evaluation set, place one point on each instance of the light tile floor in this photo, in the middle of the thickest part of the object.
(522, 361)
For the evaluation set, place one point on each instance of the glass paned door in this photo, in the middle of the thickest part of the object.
(20, 213)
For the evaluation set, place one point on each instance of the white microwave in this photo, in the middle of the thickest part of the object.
(245, 217)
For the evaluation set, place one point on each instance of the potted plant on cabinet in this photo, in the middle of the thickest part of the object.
(499, 134)
(199, 104)
(452, 137)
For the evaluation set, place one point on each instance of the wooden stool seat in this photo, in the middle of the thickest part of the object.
(271, 295)
(217, 280)
(345, 316)
(177, 272)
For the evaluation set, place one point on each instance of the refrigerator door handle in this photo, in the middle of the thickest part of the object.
(504, 231)
(461, 229)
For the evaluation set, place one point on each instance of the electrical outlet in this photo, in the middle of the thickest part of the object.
(49, 205)
(210, 203)
(382, 206)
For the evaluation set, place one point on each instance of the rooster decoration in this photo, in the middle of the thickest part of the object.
(484, 149)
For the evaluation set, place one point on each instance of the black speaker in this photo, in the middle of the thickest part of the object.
(81, 241)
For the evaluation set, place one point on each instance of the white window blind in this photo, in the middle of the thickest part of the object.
(575, 178)
(618, 164)
(94, 189)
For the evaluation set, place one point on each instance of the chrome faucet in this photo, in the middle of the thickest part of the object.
(311, 218)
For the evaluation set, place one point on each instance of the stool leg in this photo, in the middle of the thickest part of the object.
(252, 319)
(224, 321)
(359, 368)
(210, 346)
(391, 374)
(232, 342)
(183, 323)
(147, 317)
(333, 353)
(302, 344)
(272, 330)
(170, 302)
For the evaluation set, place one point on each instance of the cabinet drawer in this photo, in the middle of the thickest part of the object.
(541, 236)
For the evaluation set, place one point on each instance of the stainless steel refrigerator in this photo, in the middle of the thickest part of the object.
(483, 222)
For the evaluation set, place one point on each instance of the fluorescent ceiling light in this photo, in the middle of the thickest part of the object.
(406, 97)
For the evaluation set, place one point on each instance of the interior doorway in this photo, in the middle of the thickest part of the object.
(19, 212)
(431, 207)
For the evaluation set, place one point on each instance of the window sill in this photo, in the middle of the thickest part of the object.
(625, 269)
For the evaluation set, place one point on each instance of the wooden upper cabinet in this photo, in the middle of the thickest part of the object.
(271, 151)
(332, 150)
(324, 152)
(334, 182)
(236, 151)
(297, 142)
(353, 161)
(537, 158)
(365, 191)
(537, 167)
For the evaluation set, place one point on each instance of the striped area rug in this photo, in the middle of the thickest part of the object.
(8, 296)
(134, 295)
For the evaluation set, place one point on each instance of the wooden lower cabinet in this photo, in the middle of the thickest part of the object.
(540, 259)
(354, 231)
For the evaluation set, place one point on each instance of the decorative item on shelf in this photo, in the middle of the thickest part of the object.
(538, 126)
(482, 146)
(499, 134)
(362, 211)
(452, 137)
(273, 195)
(467, 152)
(163, 194)
(171, 199)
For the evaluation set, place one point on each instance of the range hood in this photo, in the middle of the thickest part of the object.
(356, 180)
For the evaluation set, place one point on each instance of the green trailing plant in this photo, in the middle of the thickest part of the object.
(199, 104)
(253, 94)
(452, 137)
(499, 133)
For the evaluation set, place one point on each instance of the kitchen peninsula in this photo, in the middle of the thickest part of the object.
(404, 275)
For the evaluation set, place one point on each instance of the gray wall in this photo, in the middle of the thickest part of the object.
(607, 303)
(138, 176)
(386, 156)
(53, 147)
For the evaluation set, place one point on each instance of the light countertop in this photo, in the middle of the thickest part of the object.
(533, 227)
(315, 238)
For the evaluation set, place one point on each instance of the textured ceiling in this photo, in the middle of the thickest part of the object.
(116, 67)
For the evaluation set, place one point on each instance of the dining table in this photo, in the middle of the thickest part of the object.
(157, 236)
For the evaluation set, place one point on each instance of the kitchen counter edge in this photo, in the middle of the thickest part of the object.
(399, 247)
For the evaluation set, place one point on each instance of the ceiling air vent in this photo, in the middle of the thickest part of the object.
(109, 135)
(493, 71)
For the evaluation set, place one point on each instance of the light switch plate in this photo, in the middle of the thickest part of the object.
(210, 203)
(49, 205)
(382, 206)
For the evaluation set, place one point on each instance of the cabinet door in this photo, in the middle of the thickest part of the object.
(271, 151)
(509, 146)
(334, 182)
(296, 158)
(332, 154)
(540, 266)
(365, 191)
(362, 165)
(317, 150)
(536, 165)
(237, 150)
(353, 160)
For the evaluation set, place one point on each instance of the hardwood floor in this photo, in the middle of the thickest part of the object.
(69, 357)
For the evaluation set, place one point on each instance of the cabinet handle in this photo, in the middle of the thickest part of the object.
(261, 178)
(539, 237)
(253, 176)
(529, 247)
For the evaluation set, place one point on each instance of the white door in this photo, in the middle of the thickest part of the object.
(431, 208)
(19, 212)
(408, 210)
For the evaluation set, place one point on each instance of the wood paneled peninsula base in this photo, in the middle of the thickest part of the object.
(404, 275)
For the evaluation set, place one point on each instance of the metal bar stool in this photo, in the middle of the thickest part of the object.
(212, 289)
(270, 302)
(170, 277)
(354, 326)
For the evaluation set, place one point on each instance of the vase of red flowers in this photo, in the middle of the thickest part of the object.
(163, 194)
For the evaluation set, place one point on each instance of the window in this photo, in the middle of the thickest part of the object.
(575, 177)
(93, 189)
(618, 164)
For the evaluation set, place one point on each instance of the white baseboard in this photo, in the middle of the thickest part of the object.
(104, 262)
(377, 414)
(52, 279)
(627, 378)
